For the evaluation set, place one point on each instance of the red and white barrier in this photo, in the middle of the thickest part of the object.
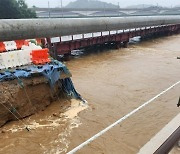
(15, 58)
(17, 45)
(10, 45)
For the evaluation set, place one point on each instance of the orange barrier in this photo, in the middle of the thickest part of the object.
(20, 43)
(40, 56)
(2, 47)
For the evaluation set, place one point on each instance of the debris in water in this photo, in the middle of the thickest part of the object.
(27, 129)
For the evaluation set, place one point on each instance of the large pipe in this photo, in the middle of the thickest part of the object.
(40, 28)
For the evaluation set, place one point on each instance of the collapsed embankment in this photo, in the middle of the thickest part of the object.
(21, 101)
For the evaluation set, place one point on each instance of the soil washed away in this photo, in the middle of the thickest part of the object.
(114, 83)
(17, 102)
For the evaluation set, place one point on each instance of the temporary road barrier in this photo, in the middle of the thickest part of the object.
(40, 56)
(10, 45)
(20, 43)
(2, 47)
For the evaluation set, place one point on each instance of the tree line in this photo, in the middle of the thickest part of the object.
(15, 9)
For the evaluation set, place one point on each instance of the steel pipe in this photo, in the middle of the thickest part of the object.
(40, 28)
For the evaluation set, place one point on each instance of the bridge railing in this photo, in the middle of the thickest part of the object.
(65, 44)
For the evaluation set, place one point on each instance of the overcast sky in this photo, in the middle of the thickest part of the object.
(123, 3)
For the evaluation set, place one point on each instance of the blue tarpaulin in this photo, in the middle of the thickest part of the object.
(51, 72)
(69, 88)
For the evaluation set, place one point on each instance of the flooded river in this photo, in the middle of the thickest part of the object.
(114, 83)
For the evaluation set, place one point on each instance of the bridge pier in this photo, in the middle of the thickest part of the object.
(118, 45)
(125, 44)
(67, 56)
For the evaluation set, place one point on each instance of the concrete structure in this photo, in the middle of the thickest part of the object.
(161, 137)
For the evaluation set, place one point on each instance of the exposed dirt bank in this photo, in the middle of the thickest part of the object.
(35, 96)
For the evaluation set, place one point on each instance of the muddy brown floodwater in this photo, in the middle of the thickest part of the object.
(114, 83)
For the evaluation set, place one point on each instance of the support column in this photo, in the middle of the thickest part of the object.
(67, 56)
(118, 45)
(54, 50)
(125, 44)
(49, 45)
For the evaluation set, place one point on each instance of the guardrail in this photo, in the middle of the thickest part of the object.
(65, 44)
(164, 140)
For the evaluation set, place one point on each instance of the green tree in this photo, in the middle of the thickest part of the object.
(24, 11)
(15, 9)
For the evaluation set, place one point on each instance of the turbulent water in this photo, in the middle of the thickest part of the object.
(114, 82)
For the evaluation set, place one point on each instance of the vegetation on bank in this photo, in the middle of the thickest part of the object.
(15, 9)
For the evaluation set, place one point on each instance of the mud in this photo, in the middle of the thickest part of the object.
(114, 83)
